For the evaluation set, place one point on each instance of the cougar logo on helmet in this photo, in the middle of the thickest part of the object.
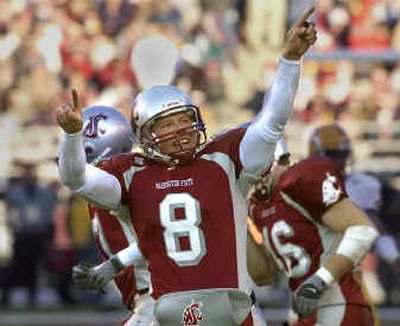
(192, 314)
(92, 128)
(106, 132)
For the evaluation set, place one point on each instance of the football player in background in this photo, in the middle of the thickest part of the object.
(184, 193)
(317, 236)
(364, 190)
(106, 132)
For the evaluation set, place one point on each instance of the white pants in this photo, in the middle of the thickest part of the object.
(143, 313)
(258, 316)
(208, 307)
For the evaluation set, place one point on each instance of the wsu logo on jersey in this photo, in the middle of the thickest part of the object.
(330, 194)
(92, 128)
(192, 314)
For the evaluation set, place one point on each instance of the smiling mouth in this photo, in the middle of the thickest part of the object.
(181, 141)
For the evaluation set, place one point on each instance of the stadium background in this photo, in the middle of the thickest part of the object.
(228, 53)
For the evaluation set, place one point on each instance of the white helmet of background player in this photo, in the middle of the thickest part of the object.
(158, 102)
(106, 132)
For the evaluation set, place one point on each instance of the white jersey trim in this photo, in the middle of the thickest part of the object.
(142, 273)
(239, 212)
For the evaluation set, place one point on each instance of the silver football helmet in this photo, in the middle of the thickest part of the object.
(106, 132)
(160, 101)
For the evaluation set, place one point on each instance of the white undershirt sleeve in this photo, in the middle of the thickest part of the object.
(258, 144)
(97, 186)
(130, 255)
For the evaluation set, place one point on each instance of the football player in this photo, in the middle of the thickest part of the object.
(184, 193)
(106, 132)
(317, 236)
(363, 189)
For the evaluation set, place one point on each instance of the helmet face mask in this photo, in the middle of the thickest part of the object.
(167, 103)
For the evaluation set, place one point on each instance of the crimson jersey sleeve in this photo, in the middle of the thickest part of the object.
(228, 142)
(315, 184)
(116, 166)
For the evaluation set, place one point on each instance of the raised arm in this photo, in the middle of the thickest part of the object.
(258, 145)
(94, 184)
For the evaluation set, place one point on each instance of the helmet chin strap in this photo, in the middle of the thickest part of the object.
(102, 155)
(150, 153)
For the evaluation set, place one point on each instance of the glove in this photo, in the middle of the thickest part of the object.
(306, 297)
(88, 276)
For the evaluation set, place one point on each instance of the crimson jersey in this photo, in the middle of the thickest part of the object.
(291, 223)
(190, 220)
(113, 235)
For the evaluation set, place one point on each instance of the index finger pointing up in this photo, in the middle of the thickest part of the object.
(305, 16)
(76, 103)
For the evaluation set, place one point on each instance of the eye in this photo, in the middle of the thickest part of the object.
(166, 125)
(185, 120)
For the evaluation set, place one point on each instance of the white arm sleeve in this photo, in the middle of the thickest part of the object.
(130, 255)
(95, 185)
(258, 144)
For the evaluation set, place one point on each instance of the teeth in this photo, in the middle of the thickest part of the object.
(185, 141)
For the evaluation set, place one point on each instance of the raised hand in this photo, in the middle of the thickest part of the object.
(300, 37)
(69, 116)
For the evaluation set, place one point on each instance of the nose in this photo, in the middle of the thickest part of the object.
(182, 132)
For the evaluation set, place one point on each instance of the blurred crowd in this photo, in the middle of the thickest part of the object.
(228, 52)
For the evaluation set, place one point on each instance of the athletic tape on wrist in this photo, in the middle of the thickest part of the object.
(116, 262)
(326, 276)
(356, 242)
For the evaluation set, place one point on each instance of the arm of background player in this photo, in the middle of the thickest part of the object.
(358, 237)
(260, 265)
(92, 183)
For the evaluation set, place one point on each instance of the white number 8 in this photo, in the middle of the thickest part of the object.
(187, 227)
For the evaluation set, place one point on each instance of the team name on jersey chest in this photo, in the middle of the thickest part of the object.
(174, 183)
